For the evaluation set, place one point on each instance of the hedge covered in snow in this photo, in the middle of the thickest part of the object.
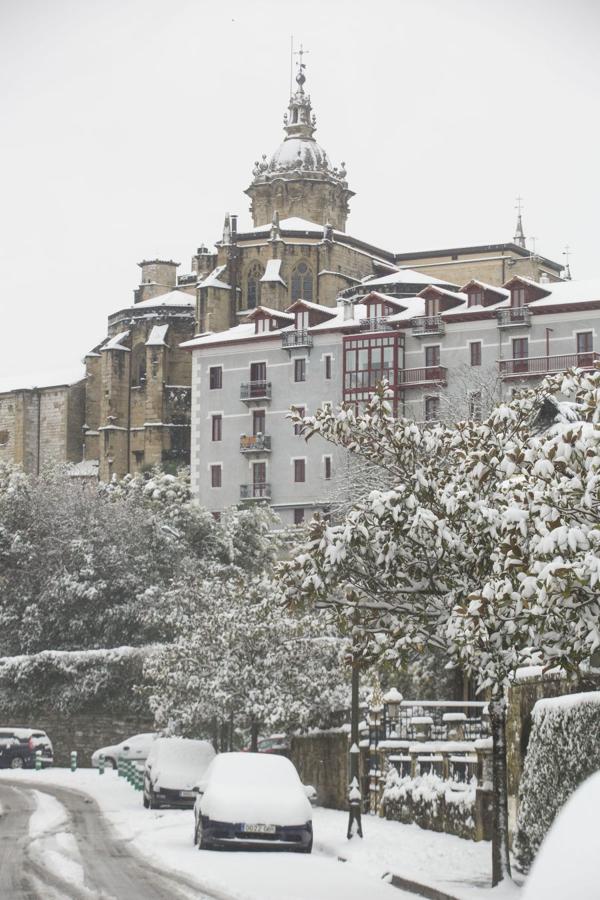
(563, 750)
(430, 802)
(73, 681)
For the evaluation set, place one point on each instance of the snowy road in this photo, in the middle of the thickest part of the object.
(56, 845)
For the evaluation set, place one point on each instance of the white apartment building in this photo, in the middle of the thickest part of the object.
(448, 351)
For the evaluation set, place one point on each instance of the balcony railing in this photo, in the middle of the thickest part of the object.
(426, 325)
(259, 491)
(532, 366)
(255, 443)
(514, 315)
(426, 375)
(255, 390)
(296, 339)
(376, 323)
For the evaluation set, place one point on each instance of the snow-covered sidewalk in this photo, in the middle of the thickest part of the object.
(460, 867)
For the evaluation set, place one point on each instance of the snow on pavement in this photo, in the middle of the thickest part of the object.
(460, 867)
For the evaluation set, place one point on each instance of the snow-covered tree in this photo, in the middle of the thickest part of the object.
(423, 564)
(240, 657)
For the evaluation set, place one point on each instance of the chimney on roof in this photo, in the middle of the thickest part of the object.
(543, 279)
(348, 307)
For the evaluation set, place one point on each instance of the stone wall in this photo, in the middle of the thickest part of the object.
(322, 760)
(83, 732)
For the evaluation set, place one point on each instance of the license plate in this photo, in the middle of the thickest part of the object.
(260, 829)
(187, 794)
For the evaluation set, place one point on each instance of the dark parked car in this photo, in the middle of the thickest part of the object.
(18, 747)
(253, 800)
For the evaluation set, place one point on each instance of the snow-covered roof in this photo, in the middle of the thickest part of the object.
(415, 308)
(55, 378)
(116, 342)
(157, 336)
(213, 279)
(386, 298)
(172, 298)
(446, 293)
(360, 312)
(328, 310)
(294, 223)
(238, 333)
(405, 276)
(561, 292)
(272, 271)
(486, 287)
(276, 313)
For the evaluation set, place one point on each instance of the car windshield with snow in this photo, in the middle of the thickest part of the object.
(253, 799)
(137, 748)
(173, 768)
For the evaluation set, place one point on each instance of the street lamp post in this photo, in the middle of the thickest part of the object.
(376, 710)
(392, 700)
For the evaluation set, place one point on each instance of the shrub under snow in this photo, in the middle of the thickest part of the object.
(563, 751)
(430, 802)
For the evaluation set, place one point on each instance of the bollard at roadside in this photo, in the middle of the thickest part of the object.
(73, 760)
(38, 760)
(101, 763)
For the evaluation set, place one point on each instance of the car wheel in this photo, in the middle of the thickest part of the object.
(199, 836)
(17, 762)
(308, 848)
(146, 802)
(109, 761)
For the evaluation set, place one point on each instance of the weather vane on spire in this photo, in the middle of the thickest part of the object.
(519, 237)
(300, 77)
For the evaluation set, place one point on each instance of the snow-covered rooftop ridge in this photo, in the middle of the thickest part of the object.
(339, 320)
(172, 298)
(157, 336)
(116, 342)
(55, 378)
(273, 271)
(213, 279)
(406, 276)
(294, 223)
(487, 287)
(328, 310)
(278, 313)
(456, 295)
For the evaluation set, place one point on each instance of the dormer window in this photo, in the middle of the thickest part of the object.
(302, 320)
(262, 325)
(517, 296)
(475, 298)
(432, 306)
(378, 310)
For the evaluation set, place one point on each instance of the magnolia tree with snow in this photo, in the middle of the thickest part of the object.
(452, 555)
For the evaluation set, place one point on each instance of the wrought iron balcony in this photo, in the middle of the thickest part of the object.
(255, 390)
(260, 491)
(538, 366)
(424, 376)
(296, 338)
(514, 315)
(255, 443)
(377, 323)
(423, 326)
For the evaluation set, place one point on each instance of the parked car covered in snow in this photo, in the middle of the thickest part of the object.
(137, 748)
(275, 743)
(173, 768)
(18, 746)
(253, 799)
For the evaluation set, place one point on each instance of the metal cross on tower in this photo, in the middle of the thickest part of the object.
(567, 255)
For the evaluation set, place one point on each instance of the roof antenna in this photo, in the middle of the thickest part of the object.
(567, 254)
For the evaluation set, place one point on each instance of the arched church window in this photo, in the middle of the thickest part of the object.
(255, 273)
(302, 282)
(138, 365)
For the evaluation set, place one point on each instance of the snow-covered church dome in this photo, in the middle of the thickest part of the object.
(298, 180)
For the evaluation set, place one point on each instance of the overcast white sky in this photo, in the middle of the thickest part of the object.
(129, 127)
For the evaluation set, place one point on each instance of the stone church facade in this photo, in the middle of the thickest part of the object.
(132, 411)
